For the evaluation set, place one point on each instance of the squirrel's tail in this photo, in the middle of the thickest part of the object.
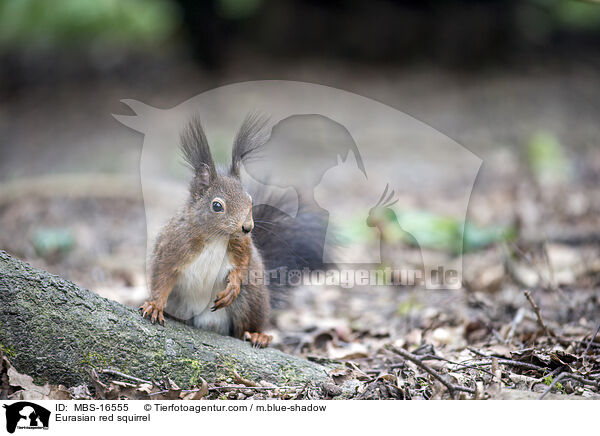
(289, 245)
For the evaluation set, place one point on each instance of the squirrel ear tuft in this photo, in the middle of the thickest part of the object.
(195, 149)
(248, 141)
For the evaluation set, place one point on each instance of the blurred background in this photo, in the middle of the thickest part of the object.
(516, 82)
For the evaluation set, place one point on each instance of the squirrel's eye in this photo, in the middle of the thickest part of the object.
(217, 206)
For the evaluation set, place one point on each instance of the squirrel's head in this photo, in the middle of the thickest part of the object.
(218, 201)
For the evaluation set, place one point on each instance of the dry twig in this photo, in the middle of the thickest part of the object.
(517, 320)
(464, 365)
(514, 363)
(537, 313)
(591, 340)
(565, 375)
(116, 373)
(414, 359)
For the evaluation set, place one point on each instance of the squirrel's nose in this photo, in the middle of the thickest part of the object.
(247, 227)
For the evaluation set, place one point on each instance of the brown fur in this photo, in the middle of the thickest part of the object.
(188, 232)
(238, 251)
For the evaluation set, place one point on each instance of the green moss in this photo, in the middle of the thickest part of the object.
(97, 360)
(289, 375)
(161, 363)
(196, 368)
(8, 351)
(559, 387)
(226, 367)
(412, 304)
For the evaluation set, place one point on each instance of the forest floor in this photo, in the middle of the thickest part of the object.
(524, 325)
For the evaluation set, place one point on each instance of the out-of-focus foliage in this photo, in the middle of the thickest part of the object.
(236, 9)
(547, 159)
(50, 241)
(538, 20)
(446, 233)
(211, 27)
(72, 23)
(432, 231)
(574, 14)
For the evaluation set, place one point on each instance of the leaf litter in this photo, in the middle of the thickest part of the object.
(524, 325)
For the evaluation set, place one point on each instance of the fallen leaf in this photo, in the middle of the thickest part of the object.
(199, 393)
(29, 390)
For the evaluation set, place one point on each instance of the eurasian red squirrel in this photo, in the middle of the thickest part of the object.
(206, 257)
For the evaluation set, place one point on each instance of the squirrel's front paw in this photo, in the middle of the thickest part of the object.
(150, 310)
(226, 297)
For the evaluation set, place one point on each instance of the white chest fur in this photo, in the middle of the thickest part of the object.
(198, 286)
